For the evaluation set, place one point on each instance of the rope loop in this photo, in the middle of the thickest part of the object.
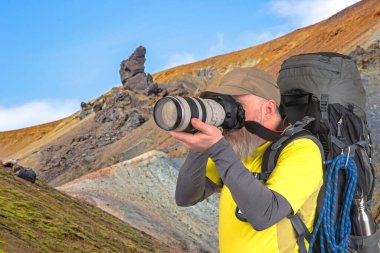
(334, 234)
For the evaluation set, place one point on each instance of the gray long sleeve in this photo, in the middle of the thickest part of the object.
(192, 185)
(261, 206)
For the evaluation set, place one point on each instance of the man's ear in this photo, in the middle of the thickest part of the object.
(269, 109)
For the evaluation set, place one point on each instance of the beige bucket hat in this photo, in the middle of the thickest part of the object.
(244, 81)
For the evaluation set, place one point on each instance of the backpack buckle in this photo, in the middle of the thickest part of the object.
(324, 103)
(323, 106)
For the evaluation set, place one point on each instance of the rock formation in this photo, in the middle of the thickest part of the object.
(133, 77)
(133, 66)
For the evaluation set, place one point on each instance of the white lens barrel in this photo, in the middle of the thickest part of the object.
(215, 113)
(185, 114)
(174, 113)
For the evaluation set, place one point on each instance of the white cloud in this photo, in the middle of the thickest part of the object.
(176, 59)
(35, 113)
(307, 12)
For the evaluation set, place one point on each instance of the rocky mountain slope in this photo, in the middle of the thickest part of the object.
(37, 218)
(368, 61)
(140, 191)
(118, 125)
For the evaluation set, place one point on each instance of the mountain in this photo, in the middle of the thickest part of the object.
(38, 218)
(116, 127)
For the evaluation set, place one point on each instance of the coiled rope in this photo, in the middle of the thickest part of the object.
(336, 234)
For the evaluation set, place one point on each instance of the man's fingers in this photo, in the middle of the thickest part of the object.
(181, 136)
(202, 140)
(200, 125)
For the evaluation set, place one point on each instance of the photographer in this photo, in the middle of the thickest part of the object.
(252, 215)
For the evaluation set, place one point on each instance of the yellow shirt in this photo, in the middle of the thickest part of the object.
(297, 177)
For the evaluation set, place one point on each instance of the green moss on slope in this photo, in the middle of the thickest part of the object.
(38, 218)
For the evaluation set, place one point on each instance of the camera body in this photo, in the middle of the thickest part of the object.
(174, 113)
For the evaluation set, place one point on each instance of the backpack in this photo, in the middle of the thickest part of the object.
(324, 100)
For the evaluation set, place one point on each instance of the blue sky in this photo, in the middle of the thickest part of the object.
(55, 54)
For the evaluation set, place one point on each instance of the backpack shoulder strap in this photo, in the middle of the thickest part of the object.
(270, 157)
(301, 231)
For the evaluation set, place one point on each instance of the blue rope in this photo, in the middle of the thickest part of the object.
(336, 235)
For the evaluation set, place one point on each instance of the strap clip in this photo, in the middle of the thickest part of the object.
(323, 106)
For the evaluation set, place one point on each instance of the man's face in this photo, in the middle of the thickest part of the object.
(252, 105)
(243, 142)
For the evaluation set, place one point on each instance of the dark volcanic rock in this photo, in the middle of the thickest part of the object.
(134, 78)
(133, 65)
(119, 109)
(86, 109)
(142, 83)
(135, 119)
(119, 98)
(137, 82)
(98, 105)
(114, 108)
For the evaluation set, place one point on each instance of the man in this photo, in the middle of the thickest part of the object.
(252, 214)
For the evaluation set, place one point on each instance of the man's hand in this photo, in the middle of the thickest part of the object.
(200, 141)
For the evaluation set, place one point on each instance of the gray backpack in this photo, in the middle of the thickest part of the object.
(323, 97)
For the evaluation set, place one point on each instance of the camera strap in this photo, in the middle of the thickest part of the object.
(256, 128)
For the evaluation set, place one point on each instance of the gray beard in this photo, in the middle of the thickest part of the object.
(244, 143)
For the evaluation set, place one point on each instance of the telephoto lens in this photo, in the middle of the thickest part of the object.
(174, 113)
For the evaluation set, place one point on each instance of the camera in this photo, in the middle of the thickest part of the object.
(174, 113)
